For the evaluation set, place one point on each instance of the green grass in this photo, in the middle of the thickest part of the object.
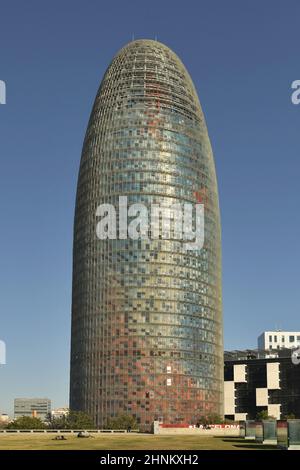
(127, 442)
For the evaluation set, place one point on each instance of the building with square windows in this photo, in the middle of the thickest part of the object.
(147, 329)
(33, 407)
(269, 340)
(254, 382)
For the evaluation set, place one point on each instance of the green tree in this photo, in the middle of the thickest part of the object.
(214, 419)
(263, 415)
(290, 416)
(123, 421)
(210, 419)
(73, 420)
(56, 423)
(26, 422)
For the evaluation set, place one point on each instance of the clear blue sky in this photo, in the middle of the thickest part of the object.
(243, 57)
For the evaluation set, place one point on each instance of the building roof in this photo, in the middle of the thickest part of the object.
(248, 354)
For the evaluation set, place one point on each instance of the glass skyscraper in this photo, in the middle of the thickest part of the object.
(147, 332)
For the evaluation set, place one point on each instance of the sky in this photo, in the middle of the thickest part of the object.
(243, 57)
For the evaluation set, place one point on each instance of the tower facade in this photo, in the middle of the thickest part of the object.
(147, 332)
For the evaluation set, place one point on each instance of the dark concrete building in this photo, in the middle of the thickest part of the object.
(258, 380)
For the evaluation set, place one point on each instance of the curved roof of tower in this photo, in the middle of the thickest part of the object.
(170, 56)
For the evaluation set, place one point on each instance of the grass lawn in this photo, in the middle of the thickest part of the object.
(127, 442)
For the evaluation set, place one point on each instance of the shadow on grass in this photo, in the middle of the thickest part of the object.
(256, 446)
(237, 439)
(246, 443)
(234, 439)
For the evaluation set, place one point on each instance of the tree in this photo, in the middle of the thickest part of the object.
(56, 422)
(263, 415)
(122, 422)
(210, 419)
(26, 422)
(214, 418)
(73, 420)
(79, 420)
(290, 416)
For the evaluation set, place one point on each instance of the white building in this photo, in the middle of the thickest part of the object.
(59, 412)
(278, 340)
(33, 407)
(4, 418)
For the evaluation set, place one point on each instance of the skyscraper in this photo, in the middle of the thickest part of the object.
(147, 332)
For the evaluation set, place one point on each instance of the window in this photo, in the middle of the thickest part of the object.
(275, 339)
(298, 338)
(270, 339)
(282, 339)
(291, 339)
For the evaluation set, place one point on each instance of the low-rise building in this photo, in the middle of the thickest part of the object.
(59, 412)
(33, 407)
(254, 382)
(270, 340)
